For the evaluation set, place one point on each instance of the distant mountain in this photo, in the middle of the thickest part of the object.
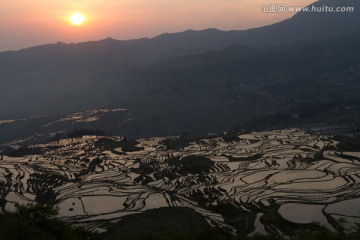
(301, 28)
(307, 26)
(238, 86)
(201, 81)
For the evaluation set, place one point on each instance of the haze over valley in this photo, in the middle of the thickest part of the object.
(194, 81)
(206, 132)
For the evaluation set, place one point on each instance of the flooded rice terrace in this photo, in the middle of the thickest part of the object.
(255, 182)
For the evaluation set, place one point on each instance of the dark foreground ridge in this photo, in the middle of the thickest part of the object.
(35, 222)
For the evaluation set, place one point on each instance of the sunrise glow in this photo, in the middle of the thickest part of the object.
(35, 22)
(77, 19)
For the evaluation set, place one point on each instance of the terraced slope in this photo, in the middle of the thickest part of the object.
(266, 182)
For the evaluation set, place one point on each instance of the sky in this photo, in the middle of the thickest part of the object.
(26, 23)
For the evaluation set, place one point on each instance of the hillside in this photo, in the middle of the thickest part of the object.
(271, 182)
(298, 71)
(238, 135)
(238, 86)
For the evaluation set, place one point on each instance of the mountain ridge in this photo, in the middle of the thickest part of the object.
(166, 86)
(344, 24)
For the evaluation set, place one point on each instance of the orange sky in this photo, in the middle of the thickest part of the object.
(25, 23)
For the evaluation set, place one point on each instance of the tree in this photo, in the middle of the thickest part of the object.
(38, 222)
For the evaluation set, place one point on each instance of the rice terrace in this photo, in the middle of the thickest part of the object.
(180, 120)
(260, 182)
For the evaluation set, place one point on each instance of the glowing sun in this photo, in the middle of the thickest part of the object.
(77, 19)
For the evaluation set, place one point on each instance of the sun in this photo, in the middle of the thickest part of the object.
(77, 19)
